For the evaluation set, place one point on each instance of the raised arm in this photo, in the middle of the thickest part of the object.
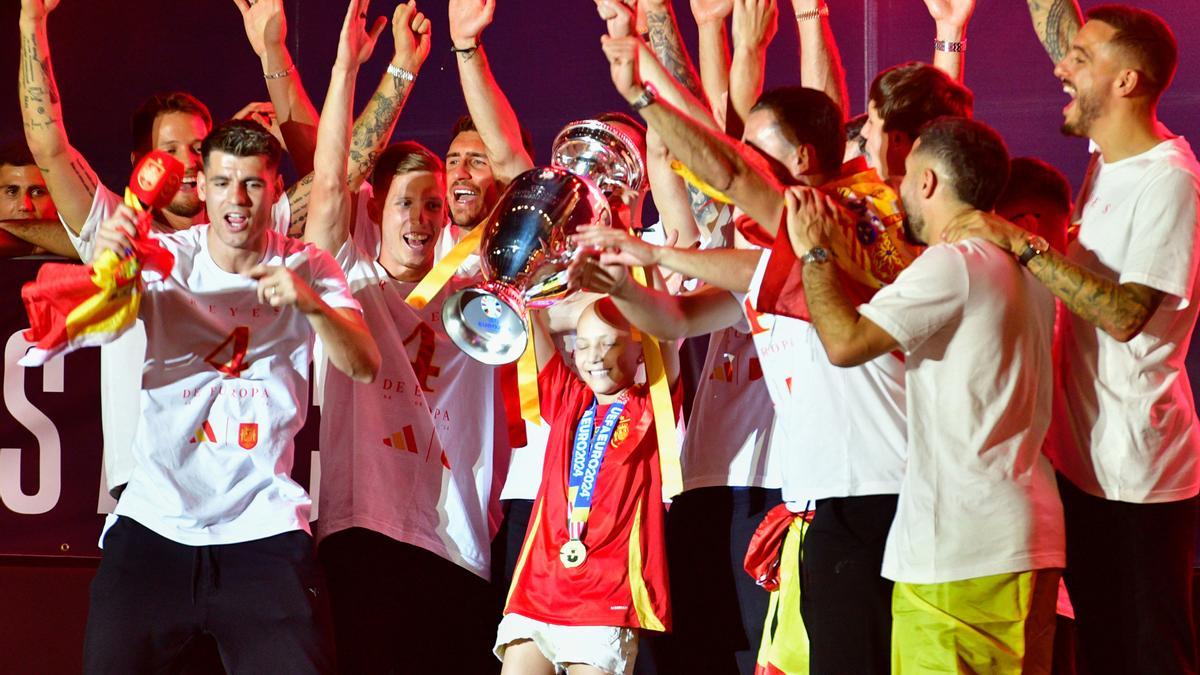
(755, 23)
(710, 18)
(663, 34)
(69, 177)
(329, 210)
(1055, 22)
(619, 18)
(950, 19)
(820, 61)
(490, 110)
(266, 30)
(726, 164)
(671, 196)
(374, 126)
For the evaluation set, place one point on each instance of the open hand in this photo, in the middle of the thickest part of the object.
(616, 246)
(951, 12)
(755, 23)
(265, 23)
(811, 216)
(989, 226)
(356, 42)
(468, 19)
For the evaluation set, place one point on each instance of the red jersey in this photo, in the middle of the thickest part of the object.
(623, 581)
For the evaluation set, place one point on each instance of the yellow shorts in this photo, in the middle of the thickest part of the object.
(1002, 623)
(784, 648)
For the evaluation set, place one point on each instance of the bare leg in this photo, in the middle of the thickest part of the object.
(524, 658)
(583, 669)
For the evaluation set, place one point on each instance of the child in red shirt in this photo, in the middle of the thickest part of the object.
(592, 570)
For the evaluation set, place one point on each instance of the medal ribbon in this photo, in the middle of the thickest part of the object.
(586, 455)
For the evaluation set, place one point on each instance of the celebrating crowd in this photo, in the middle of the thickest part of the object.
(941, 425)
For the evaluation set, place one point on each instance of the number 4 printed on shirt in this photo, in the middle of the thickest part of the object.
(422, 365)
(232, 361)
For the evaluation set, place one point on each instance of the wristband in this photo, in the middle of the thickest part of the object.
(401, 73)
(468, 51)
(822, 11)
(948, 46)
(280, 74)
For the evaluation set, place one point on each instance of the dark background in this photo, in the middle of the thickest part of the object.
(109, 54)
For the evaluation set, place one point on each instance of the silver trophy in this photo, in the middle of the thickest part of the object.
(525, 248)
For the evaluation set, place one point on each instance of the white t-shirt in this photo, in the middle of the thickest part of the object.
(979, 497)
(411, 454)
(121, 360)
(224, 391)
(843, 429)
(1125, 425)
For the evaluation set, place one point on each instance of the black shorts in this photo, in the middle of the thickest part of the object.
(152, 599)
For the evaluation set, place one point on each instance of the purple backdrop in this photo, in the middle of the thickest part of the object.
(111, 53)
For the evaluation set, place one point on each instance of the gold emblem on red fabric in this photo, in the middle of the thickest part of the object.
(622, 430)
(248, 435)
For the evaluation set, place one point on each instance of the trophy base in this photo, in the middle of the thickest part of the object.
(487, 323)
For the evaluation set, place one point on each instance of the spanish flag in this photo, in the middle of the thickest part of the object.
(74, 306)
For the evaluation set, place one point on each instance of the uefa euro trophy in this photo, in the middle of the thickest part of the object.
(525, 247)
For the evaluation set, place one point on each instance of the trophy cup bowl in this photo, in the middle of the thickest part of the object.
(525, 248)
(524, 254)
(603, 152)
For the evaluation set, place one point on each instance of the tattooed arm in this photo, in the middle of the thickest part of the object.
(1121, 310)
(373, 128)
(1055, 22)
(69, 177)
(668, 47)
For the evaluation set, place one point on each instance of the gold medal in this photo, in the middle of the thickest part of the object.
(572, 553)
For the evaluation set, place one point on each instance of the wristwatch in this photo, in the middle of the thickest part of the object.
(1034, 246)
(649, 95)
(816, 254)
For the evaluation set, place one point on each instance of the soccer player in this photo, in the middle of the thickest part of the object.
(976, 548)
(211, 534)
(1125, 436)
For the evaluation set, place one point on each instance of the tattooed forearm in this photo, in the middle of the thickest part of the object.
(373, 128)
(666, 45)
(1121, 310)
(1055, 22)
(87, 179)
(298, 195)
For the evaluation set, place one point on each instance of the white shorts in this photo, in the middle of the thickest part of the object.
(612, 649)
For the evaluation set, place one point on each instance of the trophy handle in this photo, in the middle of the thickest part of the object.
(487, 322)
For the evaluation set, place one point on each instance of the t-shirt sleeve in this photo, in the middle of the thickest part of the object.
(1163, 249)
(556, 383)
(328, 280)
(281, 215)
(104, 203)
(927, 295)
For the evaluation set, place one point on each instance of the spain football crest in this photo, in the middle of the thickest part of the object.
(248, 435)
(622, 430)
